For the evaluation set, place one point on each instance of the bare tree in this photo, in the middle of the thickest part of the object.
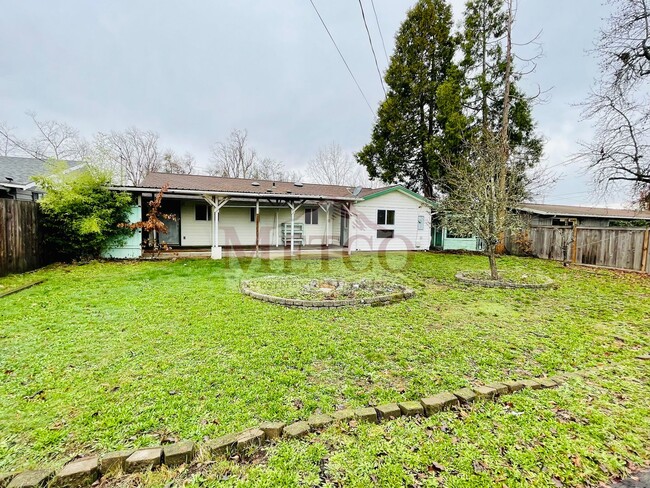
(173, 163)
(131, 154)
(483, 195)
(332, 166)
(234, 158)
(8, 146)
(269, 169)
(619, 105)
(54, 140)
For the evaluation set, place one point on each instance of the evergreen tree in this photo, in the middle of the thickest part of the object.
(420, 124)
(484, 68)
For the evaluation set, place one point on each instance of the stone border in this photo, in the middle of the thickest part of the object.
(503, 284)
(405, 294)
(83, 472)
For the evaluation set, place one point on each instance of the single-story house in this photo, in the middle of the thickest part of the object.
(540, 214)
(216, 213)
(16, 176)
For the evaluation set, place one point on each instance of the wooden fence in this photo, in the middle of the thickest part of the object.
(20, 248)
(608, 247)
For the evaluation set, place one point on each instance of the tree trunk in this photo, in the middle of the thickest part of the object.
(494, 273)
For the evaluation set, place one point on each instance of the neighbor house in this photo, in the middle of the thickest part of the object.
(215, 213)
(16, 176)
(538, 214)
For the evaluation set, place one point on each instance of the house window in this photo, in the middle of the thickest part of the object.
(561, 222)
(311, 216)
(385, 233)
(386, 217)
(201, 212)
(253, 214)
(458, 235)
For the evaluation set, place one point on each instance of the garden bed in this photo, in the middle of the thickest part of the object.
(506, 280)
(324, 292)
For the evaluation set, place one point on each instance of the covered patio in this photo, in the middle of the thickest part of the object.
(245, 217)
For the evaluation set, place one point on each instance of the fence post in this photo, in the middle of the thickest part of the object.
(574, 250)
(645, 251)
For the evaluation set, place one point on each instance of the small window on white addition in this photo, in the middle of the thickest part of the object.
(385, 233)
(311, 216)
(253, 214)
(386, 217)
(202, 212)
(420, 222)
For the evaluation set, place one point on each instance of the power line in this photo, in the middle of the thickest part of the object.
(372, 2)
(342, 57)
(372, 47)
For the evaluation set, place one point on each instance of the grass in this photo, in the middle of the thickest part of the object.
(111, 355)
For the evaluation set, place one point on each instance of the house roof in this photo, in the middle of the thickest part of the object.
(18, 172)
(253, 187)
(577, 211)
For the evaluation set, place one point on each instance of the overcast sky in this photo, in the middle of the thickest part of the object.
(194, 70)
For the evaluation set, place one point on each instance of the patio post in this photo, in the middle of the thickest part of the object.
(257, 227)
(216, 252)
(293, 219)
(216, 204)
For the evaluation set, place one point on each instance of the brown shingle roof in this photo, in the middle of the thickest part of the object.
(577, 211)
(242, 185)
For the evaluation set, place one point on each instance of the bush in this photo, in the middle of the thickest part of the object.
(81, 216)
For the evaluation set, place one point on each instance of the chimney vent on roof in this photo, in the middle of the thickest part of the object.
(274, 184)
(288, 191)
(9, 179)
(255, 183)
(298, 184)
(269, 190)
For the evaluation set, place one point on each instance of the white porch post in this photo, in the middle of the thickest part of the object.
(217, 252)
(277, 228)
(216, 204)
(257, 227)
(293, 219)
(326, 209)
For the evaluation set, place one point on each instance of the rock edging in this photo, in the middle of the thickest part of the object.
(503, 284)
(404, 294)
(85, 471)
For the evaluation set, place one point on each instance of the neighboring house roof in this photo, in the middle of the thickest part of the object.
(18, 172)
(256, 187)
(577, 211)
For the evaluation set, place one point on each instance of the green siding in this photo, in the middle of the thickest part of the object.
(131, 248)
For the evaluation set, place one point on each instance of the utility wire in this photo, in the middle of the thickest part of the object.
(372, 47)
(342, 57)
(383, 44)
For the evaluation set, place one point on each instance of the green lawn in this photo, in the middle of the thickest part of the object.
(111, 355)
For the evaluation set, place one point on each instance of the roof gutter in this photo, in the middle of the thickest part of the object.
(285, 196)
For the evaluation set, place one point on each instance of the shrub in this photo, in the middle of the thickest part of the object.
(81, 216)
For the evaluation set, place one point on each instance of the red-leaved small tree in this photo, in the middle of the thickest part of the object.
(153, 225)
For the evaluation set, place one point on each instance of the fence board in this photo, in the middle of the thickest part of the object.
(623, 248)
(20, 248)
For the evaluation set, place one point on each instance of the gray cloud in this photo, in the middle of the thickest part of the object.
(194, 70)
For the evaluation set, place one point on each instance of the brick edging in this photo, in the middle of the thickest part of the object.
(404, 294)
(85, 471)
